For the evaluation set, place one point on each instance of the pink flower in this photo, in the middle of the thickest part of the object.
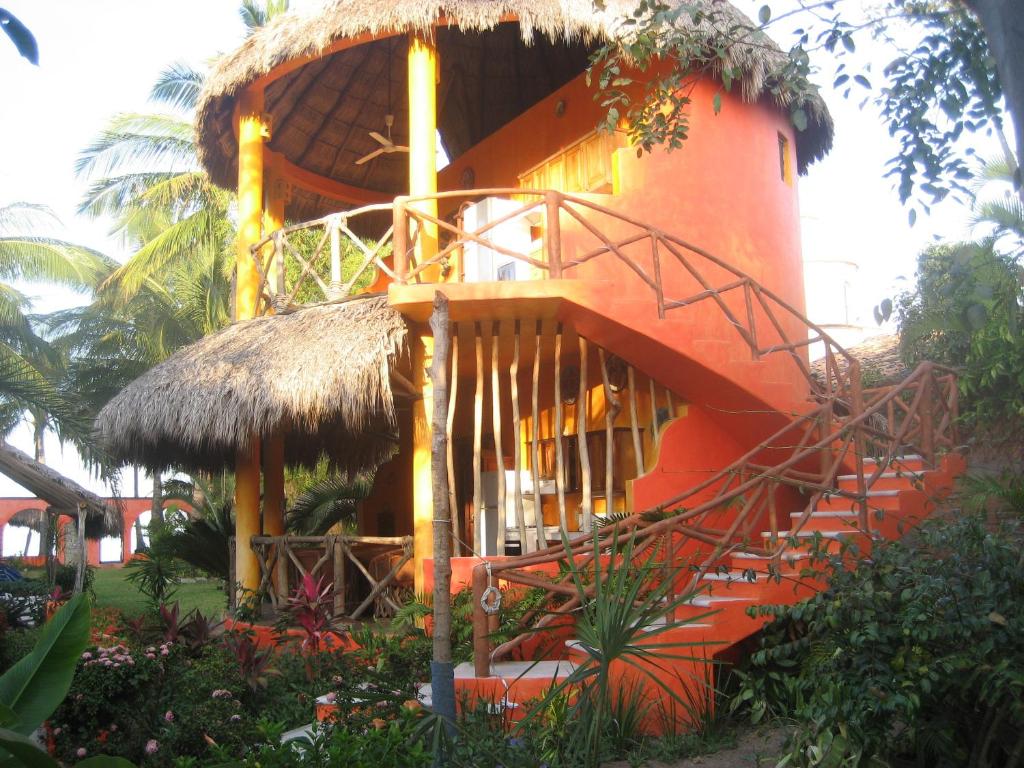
(57, 731)
(220, 693)
(169, 716)
(150, 655)
(152, 747)
(235, 719)
(86, 655)
(81, 752)
(330, 697)
(164, 652)
(113, 727)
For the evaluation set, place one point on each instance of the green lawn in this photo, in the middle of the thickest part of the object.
(113, 589)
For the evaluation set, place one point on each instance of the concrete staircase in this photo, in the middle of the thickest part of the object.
(716, 619)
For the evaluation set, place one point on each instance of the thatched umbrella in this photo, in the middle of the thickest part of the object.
(321, 375)
(95, 517)
(62, 495)
(323, 108)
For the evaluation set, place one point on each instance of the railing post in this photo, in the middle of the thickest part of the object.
(400, 240)
(928, 417)
(335, 284)
(481, 642)
(338, 566)
(281, 566)
(279, 276)
(553, 233)
(856, 409)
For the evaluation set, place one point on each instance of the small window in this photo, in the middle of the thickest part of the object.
(507, 271)
(785, 168)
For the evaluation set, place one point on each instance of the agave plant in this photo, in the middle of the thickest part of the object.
(622, 623)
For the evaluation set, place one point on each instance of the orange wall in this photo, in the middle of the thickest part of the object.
(722, 192)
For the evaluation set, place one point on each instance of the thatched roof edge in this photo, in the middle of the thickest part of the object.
(320, 375)
(295, 36)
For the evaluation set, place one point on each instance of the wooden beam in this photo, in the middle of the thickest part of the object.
(499, 457)
(538, 502)
(517, 443)
(478, 417)
(450, 449)
(559, 458)
(587, 501)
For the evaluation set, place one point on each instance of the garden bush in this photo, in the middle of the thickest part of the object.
(917, 654)
(24, 602)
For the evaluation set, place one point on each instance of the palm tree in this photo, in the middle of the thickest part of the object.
(26, 358)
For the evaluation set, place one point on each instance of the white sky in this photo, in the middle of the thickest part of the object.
(100, 57)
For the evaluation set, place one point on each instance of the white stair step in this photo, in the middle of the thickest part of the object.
(515, 670)
(302, 733)
(827, 514)
(799, 555)
(897, 460)
(425, 695)
(807, 534)
(708, 602)
(907, 473)
(737, 577)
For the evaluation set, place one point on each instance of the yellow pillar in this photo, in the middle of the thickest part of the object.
(422, 489)
(423, 68)
(273, 447)
(250, 214)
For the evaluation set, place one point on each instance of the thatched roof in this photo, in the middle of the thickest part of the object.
(880, 361)
(60, 493)
(490, 72)
(320, 374)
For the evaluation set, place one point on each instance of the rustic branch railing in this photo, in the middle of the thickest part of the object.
(281, 557)
(924, 405)
(848, 425)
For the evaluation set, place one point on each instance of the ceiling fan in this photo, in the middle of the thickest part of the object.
(387, 145)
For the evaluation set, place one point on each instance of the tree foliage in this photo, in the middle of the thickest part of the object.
(933, 93)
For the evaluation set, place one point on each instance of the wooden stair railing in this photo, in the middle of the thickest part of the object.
(848, 424)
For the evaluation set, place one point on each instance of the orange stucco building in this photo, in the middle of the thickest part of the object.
(627, 329)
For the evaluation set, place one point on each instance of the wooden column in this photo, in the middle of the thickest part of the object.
(587, 499)
(273, 447)
(423, 69)
(422, 346)
(275, 196)
(251, 133)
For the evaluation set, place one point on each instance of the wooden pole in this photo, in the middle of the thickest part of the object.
(442, 671)
(517, 449)
(611, 411)
(559, 458)
(478, 418)
(538, 508)
(334, 291)
(634, 426)
(251, 133)
(581, 437)
(450, 448)
(499, 457)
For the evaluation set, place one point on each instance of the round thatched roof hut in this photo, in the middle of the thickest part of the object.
(331, 77)
(321, 375)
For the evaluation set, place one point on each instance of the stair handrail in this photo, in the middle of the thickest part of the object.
(646, 530)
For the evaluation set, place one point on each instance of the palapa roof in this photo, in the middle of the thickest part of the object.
(59, 492)
(491, 71)
(321, 374)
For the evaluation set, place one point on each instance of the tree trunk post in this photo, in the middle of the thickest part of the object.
(83, 556)
(442, 671)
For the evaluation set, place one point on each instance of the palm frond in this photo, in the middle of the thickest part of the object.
(50, 260)
(178, 86)
(137, 140)
(324, 504)
(256, 15)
